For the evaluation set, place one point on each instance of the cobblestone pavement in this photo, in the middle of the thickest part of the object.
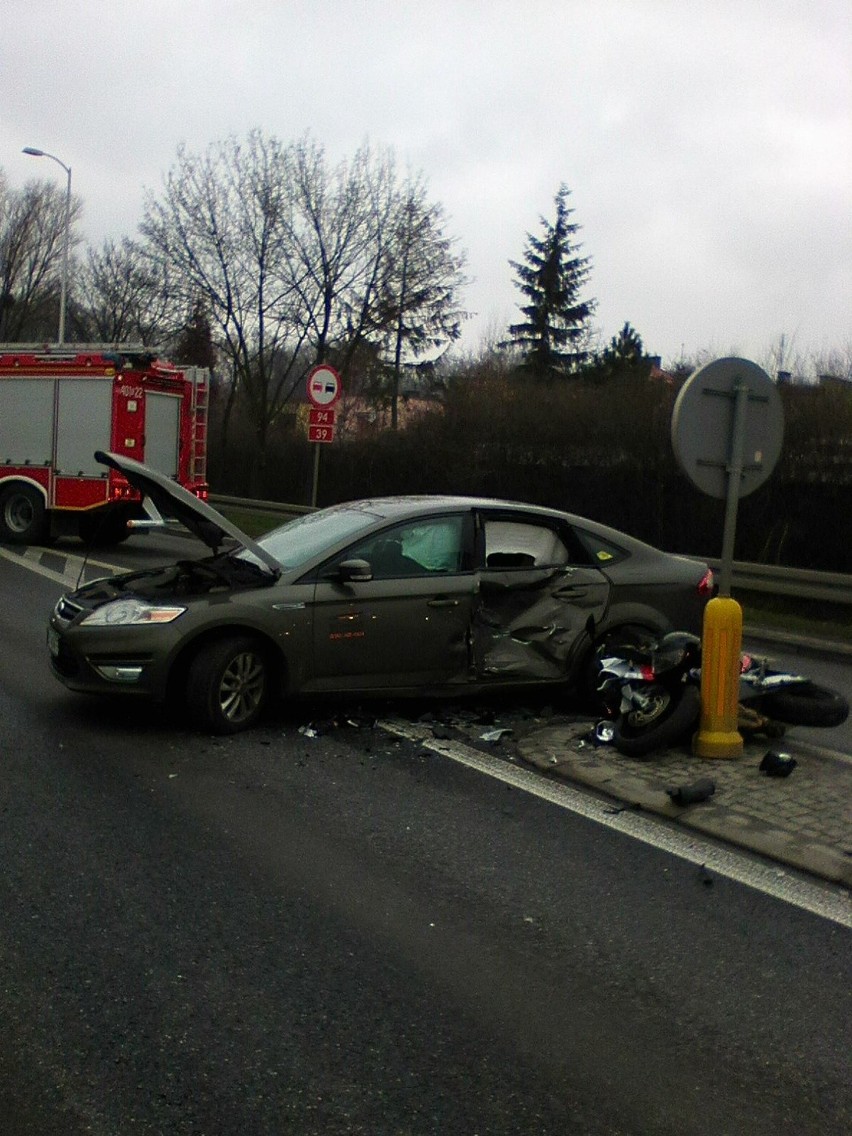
(804, 819)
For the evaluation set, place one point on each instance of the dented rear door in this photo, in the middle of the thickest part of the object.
(534, 599)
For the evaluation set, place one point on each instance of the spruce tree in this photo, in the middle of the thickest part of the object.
(553, 273)
(624, 356)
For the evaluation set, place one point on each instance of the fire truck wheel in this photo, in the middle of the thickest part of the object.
(227, 685)
(23, 518)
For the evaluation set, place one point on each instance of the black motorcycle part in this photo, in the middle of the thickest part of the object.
(777, 764)
(693, 794)
(637, 736)
(806, 704)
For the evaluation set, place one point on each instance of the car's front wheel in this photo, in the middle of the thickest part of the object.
(227, 685)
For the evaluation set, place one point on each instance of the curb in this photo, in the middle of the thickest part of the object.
(555, 752)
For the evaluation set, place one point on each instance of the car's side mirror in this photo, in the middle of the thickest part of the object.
(354, 571)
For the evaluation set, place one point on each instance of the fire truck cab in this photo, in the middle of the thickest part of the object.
(58, 405)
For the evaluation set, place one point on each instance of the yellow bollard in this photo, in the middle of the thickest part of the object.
(720, 680)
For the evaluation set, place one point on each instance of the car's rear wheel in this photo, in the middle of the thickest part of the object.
(23, 517)
(227, 685)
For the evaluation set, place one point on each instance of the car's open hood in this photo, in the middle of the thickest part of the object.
(173, 500)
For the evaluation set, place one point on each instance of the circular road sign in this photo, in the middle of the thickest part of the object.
(323, 385)
(728, 404)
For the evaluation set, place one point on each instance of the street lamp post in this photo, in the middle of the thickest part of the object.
(63, 287)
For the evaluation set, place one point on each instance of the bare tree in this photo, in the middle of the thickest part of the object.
(334, 244)
(124, 296)
(418, 306)
(368, 255)
(218, 229)
(298, 262)
(32, 231)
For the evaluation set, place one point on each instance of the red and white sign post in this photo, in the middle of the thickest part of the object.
(324, 390)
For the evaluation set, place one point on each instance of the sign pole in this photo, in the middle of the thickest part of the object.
(718, 735)
(324, 389)
(315, 482)
(735, 472)
(727, 430)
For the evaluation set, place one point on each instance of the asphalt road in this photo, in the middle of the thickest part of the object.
(347, 934)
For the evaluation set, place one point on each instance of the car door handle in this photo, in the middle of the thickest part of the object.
(443, 603)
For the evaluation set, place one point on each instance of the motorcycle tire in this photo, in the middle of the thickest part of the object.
(806, 704)
(673, 723)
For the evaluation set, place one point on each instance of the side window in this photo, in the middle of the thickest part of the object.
(516, 544)
(601, 551)
(423, 548)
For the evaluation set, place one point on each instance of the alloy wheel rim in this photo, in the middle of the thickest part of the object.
(242, 687)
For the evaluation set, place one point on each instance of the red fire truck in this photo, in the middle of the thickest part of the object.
(59, 405)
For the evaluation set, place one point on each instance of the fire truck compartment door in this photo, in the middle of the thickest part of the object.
(84, 417)
(26, 421)
(162, 432)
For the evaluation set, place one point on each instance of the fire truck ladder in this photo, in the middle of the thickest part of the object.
(198, 457)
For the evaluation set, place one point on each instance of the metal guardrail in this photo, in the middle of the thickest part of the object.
(803, 583)
(279, 508)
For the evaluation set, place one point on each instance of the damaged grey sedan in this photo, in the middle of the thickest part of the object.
(393, 596)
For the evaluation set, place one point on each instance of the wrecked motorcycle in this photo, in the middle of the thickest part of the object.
(652, 696)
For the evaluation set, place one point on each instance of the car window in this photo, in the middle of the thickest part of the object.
(601, 551)
(299, 540)
(422, 548)
(519, 544)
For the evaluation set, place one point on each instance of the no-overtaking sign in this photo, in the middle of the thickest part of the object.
(323, 385)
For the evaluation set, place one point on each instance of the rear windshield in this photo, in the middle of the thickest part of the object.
(298, 541)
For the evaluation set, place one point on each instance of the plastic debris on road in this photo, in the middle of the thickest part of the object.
(777, 764)
(694, 793)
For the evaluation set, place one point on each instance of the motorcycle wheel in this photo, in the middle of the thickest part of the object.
(807, 704)
(669, 721)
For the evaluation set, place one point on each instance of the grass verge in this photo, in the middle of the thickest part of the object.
(795, 616)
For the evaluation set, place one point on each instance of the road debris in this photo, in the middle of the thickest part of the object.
(693, 793)
(495, 735)
(777, 764)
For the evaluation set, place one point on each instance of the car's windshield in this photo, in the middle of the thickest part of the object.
(300, 540)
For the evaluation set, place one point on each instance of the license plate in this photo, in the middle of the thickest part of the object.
(52, 642)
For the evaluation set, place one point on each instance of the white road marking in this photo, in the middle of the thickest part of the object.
(780, 883)
(30, 558)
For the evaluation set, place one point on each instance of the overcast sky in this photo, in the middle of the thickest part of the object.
(707, 144)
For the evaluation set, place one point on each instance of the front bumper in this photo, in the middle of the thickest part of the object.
(123, 660)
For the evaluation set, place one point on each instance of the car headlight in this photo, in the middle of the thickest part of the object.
(128, 612)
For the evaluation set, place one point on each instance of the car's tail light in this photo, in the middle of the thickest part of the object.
(707, 584)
